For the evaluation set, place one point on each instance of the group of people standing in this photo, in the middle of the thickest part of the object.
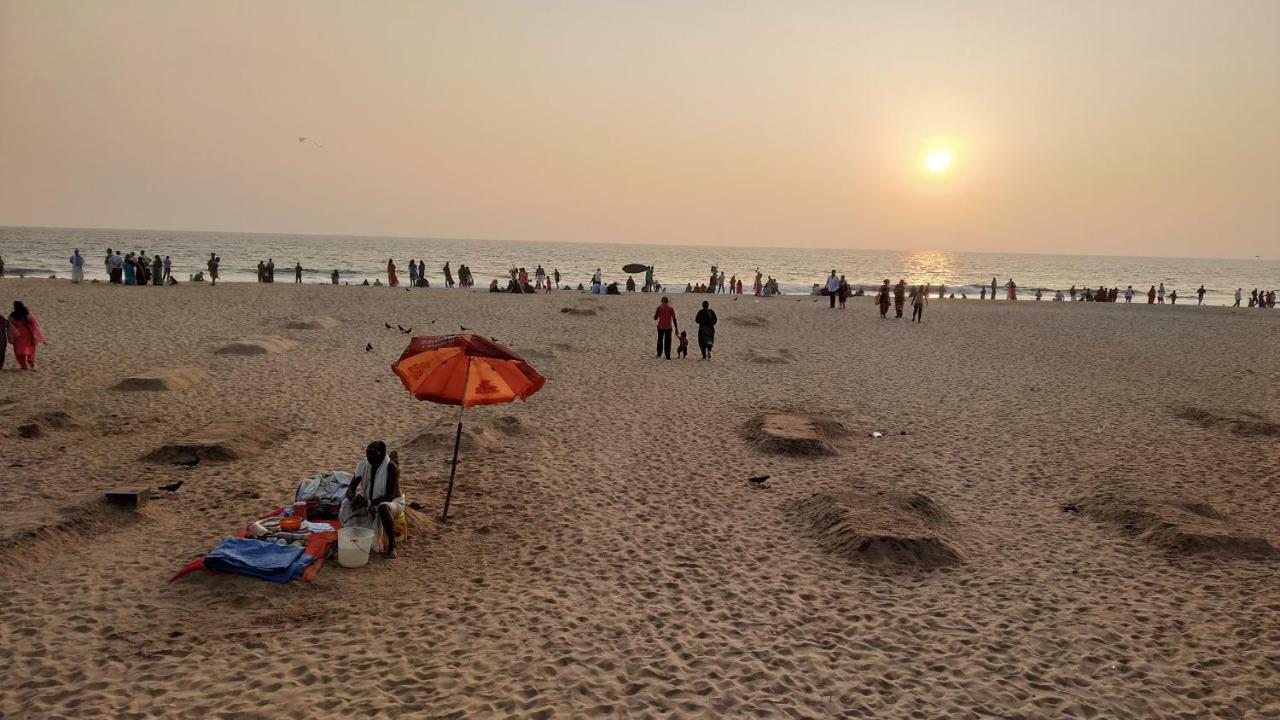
(128, 269)
(716, 283)
(919, 297)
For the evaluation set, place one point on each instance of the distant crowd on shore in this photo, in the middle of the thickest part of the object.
(136, 269)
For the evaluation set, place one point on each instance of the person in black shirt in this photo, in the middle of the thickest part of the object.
(706, 320)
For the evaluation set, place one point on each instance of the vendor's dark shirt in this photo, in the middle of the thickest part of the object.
(705, 316)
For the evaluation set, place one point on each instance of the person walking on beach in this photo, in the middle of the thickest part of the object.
(271, 270)
(844, 291)
(130, 270)
(706, 320)
(1160, 295)
(1151, 295)
(214, 261)
(392, 280)
(1013, 289)
(1238, 292)
(666, 317)
(1200, 296)
(448, 274)
(1073, 293)
(758, 287)
(106, 263)
(1173, 298)
(157, 271)
(882, 299)
(24, 334)
(833, 287)
(262, 271)
(917, 305)
(539, 275)
(1128, 295)
(167, 266)
(77, 267)
(993, 288)
(555, 274)
(333, 278)
(297, 273)
(413, 273)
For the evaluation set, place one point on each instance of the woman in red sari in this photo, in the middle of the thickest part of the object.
(24, 335)
(392, 280)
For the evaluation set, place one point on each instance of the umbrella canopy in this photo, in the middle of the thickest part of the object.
(465, 370)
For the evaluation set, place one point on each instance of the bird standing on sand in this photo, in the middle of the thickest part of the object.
(760, 481)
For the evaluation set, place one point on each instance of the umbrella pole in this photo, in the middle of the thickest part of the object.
(457, 441)
(453, 469)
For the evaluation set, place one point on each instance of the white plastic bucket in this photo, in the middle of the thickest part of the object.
(354, 544)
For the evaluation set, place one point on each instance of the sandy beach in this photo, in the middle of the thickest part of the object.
(1070, 512)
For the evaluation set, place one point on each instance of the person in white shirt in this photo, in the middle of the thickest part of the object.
(833, 287)
(117, 268)
(1057, 296)
(596, 282)
(1128, 294)
(1160, 294)
(77, 267)
(1237, 297)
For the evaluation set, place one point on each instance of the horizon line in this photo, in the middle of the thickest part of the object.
(600, 242)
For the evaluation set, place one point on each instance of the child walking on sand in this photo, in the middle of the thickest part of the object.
(683, 350)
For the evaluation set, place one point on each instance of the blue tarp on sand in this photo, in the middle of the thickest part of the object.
(255, 558)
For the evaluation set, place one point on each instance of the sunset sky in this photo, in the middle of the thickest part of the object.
(1135, 128)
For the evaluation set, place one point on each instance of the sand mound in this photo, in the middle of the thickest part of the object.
(1176, 525)
(314, 322)
(256, 345)
(160, 379)
(754, 321)
(886, 528)
(577, 311)
(477, 434)
(39, 424)
(769, 357)
(220, 441)
(69, 528)
(563, 347)
(1254, 426)
(793, 434)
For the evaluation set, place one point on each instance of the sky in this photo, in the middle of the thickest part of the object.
(1134, 128)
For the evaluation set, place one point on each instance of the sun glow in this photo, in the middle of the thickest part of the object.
(937, 161)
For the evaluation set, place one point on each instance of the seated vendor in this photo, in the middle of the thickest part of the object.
(373, 498)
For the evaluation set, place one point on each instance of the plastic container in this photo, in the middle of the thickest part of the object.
(300, 510)
(354, 544)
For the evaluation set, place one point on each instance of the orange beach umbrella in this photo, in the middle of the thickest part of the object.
(464, 370)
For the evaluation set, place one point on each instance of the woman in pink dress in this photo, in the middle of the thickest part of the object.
(24, 335)
(392, 280)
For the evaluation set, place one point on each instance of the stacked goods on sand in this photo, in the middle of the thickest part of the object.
(783, 433)
(884, 528)
(162, 379)
(1176, 525)
(220, 441)
(256, 345)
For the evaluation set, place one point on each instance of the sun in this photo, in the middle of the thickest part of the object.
(937, 161)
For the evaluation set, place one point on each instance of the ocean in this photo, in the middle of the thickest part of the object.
(41, 252)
